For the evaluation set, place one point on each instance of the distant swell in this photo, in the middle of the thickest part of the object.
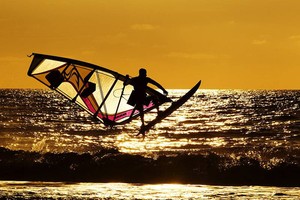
(109, 165)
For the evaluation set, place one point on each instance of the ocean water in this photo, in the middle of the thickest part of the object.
(220, 144)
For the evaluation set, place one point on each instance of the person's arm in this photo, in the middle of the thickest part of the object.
(127, 80)
(158, 85)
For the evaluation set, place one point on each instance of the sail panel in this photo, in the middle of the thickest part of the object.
(47, 65)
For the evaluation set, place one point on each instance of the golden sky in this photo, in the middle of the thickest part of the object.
(228, 44)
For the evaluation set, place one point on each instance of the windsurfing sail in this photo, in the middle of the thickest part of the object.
(99, 91)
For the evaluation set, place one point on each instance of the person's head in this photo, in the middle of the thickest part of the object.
(143, 72)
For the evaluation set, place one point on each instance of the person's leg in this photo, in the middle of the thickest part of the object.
(141, 110)
(155, 102)
(142, 131)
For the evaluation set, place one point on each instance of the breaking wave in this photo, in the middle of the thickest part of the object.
(110, 165)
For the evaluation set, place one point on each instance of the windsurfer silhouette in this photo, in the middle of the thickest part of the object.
(138, 97)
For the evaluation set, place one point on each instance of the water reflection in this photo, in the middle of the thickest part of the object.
(58, 190)
(212, 119)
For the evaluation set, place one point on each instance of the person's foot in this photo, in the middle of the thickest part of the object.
(168, 99)
(142, 130)
(159, 113)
